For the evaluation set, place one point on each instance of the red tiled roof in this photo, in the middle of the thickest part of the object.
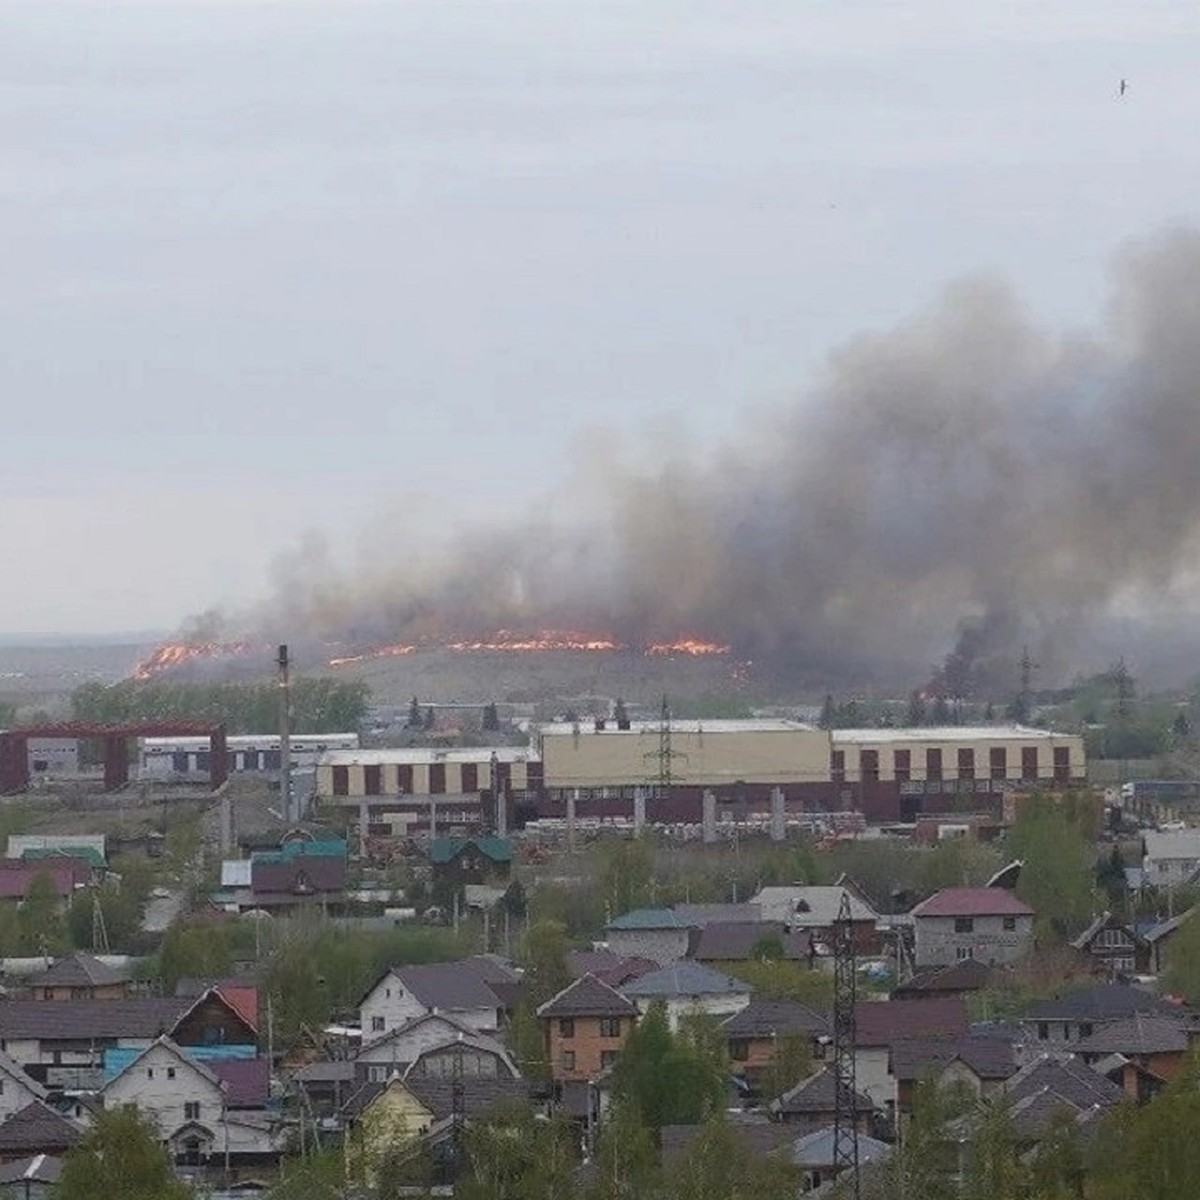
(973, 902)
(243, 999)
(882, 1022)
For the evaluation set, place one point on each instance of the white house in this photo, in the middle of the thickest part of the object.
(688, 989)
(1171, 857)
(17, 1090)
(419, 1041)
(403, 994)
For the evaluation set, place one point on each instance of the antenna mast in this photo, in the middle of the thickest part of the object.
(845, 1113)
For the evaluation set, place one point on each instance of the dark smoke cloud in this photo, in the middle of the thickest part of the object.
(966, 472)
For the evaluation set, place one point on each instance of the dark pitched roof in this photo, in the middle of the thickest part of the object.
(613, 969)
(1099, 1002)
(987, 1056)
(1068, 1077)
(1105, 921)
(967, 976)
(448, 987)
(775, 1018)
(1141, 1033)
(300, 876)
(588, 997)
(17, 876)
(38, 1168)
(80, 970)
(138, 1017)
(816, 1094)
(973, 902)
(246, 1081)
(479, 1095)
(753, 1130)
(881, 1023)
(728, 941)
(326, 1070)
(685, 979)
(442, 850)
(37, 1129)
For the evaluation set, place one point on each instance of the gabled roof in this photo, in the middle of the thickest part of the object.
(1104, 921)
(136, 1017)
(448, 987)
(733, 942)
(479, 1095)
(37, 1129)
(684, 979)
(987, 1056)
(816, 1094)
(17, 876)
(967, 976)
(16, 1072)
(443, 849)
(613, 969)
(973, 902)
(775, 1018)
(801, 906)
(79, 970)
(882, 1023)
(246, 1081)
(457, 1027)
(1068, 1077)
(165, 1043)
(1171, 844)
(1099, 1002)
(88, 854)
(475, 1041)
(38, 1168)
(1165, 928)
(817, 1149)
(700, 915)
(299, 876)
(1139, 1034)
(648, 918)
(588, 997)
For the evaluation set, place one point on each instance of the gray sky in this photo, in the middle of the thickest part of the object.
(279, 267)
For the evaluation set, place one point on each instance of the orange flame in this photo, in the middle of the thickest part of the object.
(379, 652)
(177, 654)
(692, 647)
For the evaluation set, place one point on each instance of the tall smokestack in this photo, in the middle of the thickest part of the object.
(285, 734)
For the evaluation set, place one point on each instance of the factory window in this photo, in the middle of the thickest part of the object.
(837, 766)
(868, 762)
(998, 757)
(966, 764)
(437, 779)
(470, 777)
(933, 763)
(203, 758)
(179, 763)
(1062, 764)
(1029, 763)
(902, 765)
(373, 779)
(341, 781)
(272, 760)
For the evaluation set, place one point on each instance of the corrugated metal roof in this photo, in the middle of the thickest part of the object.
(684, 979)
(973, 902)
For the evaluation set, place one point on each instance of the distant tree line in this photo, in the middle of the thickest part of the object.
(319, 704)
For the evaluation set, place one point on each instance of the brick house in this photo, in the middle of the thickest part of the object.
(1152, 1045)
(584, 1028)
(812, 1104)
(754, 1034)
(988, 924)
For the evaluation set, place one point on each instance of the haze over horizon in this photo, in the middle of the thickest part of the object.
(349, 269)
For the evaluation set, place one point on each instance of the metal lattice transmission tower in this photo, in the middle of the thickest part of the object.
(663, 777)
(845, 1112)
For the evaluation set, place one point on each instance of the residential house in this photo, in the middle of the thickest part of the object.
(584, 1028)
(1159, 937)
(725, 944)
(658, 934)
(754, 1036)
(326, 1085)
(80, 977)
(456, 861)
(814, 910)
(689, 989)
(65, 876)
(17, 1090)
(812, 1104)
(32, 846)
(194, 1108)
(988, 924)
(456, 989)
(1114, 946)
(816, 1154)
(1062, 1023)
(453, 1045)
(881, 1024)
(37, 1129)
(282, 881)
(959, 979)
(1151, 1047)
(976, 1063)
(606, 966)
(1170, 858)
(31, 1178)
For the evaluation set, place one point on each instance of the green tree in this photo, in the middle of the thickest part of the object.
(414, 714)
(624, 873)
(1057, 880)
(993, 1168)
(921, 1168)
(916, 711)
(543, 954)
(828, 717)
(1182, 976)
(513, 1156)
(791, 1063)
(789, 980)
(202, 951)
(666, 1078)
(318, 1177)
(41, 928)
(120, 1158)
(626, 1163)
(719, 1165)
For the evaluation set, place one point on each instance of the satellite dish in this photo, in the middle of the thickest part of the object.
(1007, 876)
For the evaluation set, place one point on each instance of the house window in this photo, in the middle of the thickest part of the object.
(377, 1024)
(963, 953)
(566, 1027)
(149, 1072)
(377, 1073)
(739, 1050)
(1085, 1029)
(1010, 923)
(191, 1110)
(964, 925)
(607, 1058)
(1043, 1031)
(610, 1027)
(567, 1060)
(170, 1072)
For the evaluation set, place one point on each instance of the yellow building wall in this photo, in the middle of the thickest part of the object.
(390, 777)
(395, 1116)
(982, 747)
(628, 758)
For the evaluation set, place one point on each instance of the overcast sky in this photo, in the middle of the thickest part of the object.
(279, 267)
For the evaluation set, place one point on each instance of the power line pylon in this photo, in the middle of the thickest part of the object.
(663, 777)
(845, 1112)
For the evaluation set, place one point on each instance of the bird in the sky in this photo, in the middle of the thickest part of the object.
(1123, 88)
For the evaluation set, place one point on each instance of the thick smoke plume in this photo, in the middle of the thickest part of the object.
(966, 471)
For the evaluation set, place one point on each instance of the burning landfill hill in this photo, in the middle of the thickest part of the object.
(965, 477)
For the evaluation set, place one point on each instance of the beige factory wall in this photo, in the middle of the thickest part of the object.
(622, 758)
(390, 778)
(950, 748)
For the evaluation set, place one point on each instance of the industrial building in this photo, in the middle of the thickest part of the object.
(669, 772)
(185, 759)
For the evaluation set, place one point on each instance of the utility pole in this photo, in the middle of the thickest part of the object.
(845, 1113)
(285, 734)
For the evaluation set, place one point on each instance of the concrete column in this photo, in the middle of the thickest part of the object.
(364, 825)
(226, 824)
(709, 824)
(639, 810)
(572, 800)
(501, 812)
(778, 824)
